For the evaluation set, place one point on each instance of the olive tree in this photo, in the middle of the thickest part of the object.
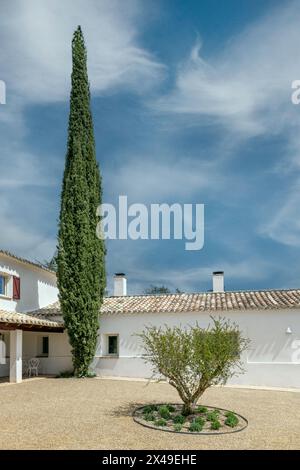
(194, 358)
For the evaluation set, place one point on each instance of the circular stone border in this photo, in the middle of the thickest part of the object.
(137, 420)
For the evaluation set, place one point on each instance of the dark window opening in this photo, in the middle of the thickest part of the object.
(45, 345)
(113, 345)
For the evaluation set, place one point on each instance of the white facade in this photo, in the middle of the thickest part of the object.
(273, 359)
(37, 289)
(38, 286)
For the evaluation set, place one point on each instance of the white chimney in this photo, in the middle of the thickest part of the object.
(218, 281)
(120, 284)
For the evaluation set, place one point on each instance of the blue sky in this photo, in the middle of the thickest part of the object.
(191, 103)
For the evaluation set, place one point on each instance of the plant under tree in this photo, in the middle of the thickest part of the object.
(81, 254)
(196, 358)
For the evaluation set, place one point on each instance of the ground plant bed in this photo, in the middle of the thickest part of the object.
(203, 420)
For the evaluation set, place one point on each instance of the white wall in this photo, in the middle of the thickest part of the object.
(38, 287)
(58, 360)
(272, 360)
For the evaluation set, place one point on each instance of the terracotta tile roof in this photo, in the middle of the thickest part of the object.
(26, 261)
(199, 302)
(14, 318)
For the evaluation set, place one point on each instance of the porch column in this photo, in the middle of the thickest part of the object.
(15, 366)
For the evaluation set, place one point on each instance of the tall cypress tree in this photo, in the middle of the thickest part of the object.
(81, 255)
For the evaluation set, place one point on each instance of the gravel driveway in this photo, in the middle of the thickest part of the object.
(95, 414)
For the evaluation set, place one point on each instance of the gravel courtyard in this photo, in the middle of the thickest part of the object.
(53, 413)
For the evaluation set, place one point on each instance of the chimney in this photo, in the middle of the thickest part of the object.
(218, 281)
(120, 284)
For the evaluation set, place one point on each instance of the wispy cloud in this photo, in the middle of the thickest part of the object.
(35, 57)
(246, 89)
(35, 49)
(248, 84)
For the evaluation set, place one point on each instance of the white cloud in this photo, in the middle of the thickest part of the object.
(151, 179)
(35, 38)
(284, 226)
(248, 81)
(197, 278)
(35, 57)
(246, 88)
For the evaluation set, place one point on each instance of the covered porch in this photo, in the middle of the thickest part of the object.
(20, 336)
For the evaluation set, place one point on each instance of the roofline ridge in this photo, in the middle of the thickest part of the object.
(26, 261)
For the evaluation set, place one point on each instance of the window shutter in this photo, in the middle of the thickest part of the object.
(16, 288)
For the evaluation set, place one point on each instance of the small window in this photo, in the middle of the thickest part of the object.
(45, 345)
(112, 345)
(3, 281)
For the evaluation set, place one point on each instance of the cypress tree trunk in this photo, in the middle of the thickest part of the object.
(81, 255)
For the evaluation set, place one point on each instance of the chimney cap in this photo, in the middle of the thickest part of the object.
(119, 274)
(218, 272)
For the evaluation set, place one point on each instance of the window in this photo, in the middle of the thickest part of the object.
(3, 281)
(45, 345)
(112, 345)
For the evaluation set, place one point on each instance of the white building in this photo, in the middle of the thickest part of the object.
(271, 319)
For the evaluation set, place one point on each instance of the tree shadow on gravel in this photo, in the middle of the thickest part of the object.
(126, 409)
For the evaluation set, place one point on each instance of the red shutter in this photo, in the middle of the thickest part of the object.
(16, 288)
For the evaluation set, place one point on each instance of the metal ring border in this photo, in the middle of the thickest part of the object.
(156, 428)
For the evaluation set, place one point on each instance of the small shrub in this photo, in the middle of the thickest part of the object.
(195, 427)
(229, 413)
(231, 420)
(91, 375)
(199, 420)
(179, 419)
(213, 415)
(150, 408)
(149, 417)
(215, 424)
(164, 412)
(201, 409)
(160, 422)
(171, 408)
(177, 427)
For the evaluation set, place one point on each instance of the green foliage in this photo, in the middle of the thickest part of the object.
(195, 426)
(201, 409)
(215, 425)
(179, 419)
(231, 420)
(177, 427)
(149, 417)
(153, 290)
(150, 408)
(171, 408)
(164, 412)
(193, 359)
(213, 415)
(199, 420)
(81, 254)
(90, 375)
(160, 422)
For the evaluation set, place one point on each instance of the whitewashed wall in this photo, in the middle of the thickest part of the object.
(58, 360)
(38, 287)
(272, 360)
